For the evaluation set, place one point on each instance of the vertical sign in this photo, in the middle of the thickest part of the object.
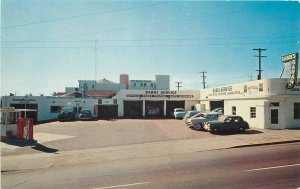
(291, 59)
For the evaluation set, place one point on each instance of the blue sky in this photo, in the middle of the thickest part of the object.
(49, 45)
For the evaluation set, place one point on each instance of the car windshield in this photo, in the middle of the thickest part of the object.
(222, 118)
(179, 110)
(198, 115)
(85, 111)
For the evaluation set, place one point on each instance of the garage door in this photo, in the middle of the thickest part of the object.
(154, 108)
(107, 111)
(216, 104)
(133, 108)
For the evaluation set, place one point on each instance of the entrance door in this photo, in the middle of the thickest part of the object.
(274, 118)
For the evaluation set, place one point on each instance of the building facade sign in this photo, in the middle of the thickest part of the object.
(158, 94)
(293, 60)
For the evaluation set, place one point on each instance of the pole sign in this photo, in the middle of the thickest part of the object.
(293, 60)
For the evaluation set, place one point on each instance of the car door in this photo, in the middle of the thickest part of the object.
(236, 123)
(227, 125)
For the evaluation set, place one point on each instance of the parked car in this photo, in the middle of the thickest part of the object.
(227, 123)
(197, 122)
(66, 116)
(189, 114)
(85, 115)
(218, 110)
(179, 113)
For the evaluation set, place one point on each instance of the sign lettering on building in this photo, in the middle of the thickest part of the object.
(160, 94)
(293, 59)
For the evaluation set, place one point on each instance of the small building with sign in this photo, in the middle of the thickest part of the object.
(265, 104)
(154, 103)
(48, 107)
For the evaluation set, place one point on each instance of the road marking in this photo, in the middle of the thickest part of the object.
(266, 168)
(123, 185)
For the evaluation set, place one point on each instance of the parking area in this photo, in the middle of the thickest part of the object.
(56, 137)
(77, 135)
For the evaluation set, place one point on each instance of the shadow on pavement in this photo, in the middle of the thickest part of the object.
(32, 143)
(20, 142)
(43, 148)
(247, 132)
(252, 131)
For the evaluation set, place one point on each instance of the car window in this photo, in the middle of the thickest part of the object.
(237, 120)
(229, 119)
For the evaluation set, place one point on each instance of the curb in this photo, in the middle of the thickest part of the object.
(265, 144)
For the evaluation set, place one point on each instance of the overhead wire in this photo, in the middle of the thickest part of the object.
(77, 16)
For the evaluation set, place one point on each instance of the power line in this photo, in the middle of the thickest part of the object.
(127, 46)
(178, 85)
(259, 61)
(153, 39)
(74, 17)
(203, 78)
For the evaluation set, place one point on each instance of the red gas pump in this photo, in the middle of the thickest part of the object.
(25, 128)
(20, 127)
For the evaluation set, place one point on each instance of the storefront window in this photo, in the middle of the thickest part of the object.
(261, 87)
(233, 110)
(297, 110)
(252, 112)
(55, 109)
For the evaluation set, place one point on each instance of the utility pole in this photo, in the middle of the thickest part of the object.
(203, 78)
(259, 61)
(251, 78)
(178, 85)
(95, 49)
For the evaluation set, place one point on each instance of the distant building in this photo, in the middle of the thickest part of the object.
(161, 82)
(71, 89)
(105, 89)
(102, 84)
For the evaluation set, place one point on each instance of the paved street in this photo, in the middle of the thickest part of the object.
(254, 167)
(149, 154)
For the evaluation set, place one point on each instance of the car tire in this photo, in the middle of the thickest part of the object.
(241, 129)
(198, 126)
(215, 130)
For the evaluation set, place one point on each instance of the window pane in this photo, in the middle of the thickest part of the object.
(252, 112)
(297, 110)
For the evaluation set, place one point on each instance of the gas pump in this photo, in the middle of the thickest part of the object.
(14, 126)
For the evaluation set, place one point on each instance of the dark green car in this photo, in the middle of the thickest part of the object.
(227, 123)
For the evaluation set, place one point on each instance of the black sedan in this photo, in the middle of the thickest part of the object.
(85, 115)
(227, 123)
(66, 116)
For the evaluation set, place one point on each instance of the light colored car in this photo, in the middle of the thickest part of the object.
(198, 121)
(218, 110)
(179, 113)
(190, 114)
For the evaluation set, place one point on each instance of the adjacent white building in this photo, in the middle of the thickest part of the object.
(48, 107)
(265, 104)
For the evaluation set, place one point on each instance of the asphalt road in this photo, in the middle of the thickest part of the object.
(275, 166)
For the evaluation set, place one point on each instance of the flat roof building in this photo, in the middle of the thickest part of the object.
(265, 104)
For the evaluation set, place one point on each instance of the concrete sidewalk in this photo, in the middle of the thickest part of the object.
(145, 150)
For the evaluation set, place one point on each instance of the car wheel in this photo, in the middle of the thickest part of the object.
(215, 130)
(197, 126)
(241, 129)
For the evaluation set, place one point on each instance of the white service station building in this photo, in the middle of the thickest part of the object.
(265, 104)
(147, 103)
